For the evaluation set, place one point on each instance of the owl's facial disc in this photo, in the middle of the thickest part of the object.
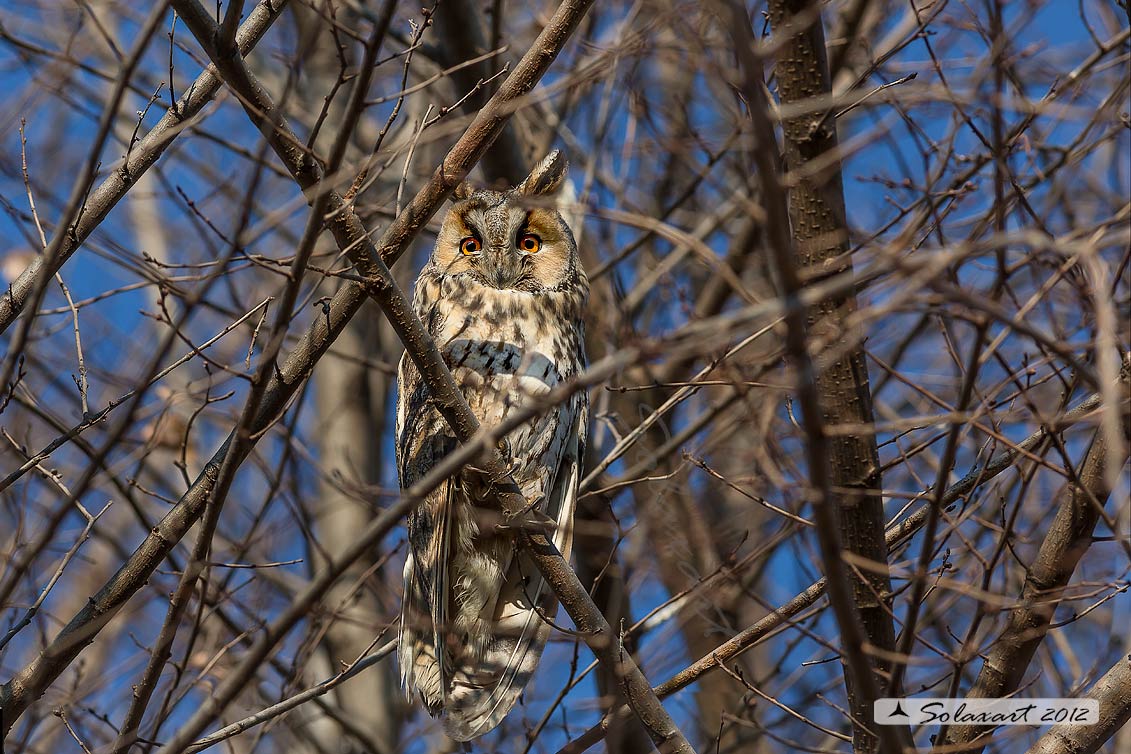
(499, 268)
(507, 242)
(551, 254)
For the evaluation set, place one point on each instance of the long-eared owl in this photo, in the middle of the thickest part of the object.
(503, 296)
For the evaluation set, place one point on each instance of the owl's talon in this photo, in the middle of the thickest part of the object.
(529, 521)
(528, 518)
(478, 479)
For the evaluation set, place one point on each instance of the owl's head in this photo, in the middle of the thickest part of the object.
(514, 239)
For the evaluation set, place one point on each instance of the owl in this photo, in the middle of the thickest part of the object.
(503, 295)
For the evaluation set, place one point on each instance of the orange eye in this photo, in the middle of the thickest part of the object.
(529, 243)
(470, 246)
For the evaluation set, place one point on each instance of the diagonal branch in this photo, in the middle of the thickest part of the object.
(1113, 692)
(461, 37)
(447, 397)
(295, 700)
(1047, 577)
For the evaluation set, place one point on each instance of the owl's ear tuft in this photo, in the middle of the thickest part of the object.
(462, 191)
(547, 175)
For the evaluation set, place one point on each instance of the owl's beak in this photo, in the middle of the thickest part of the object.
(500, 269)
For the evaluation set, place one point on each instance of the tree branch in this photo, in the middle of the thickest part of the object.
(838, 393)
(1113, 692)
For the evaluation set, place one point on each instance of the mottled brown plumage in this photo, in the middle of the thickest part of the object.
(503, 295)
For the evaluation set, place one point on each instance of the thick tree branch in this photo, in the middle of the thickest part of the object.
(1113, 692)
(838, 393)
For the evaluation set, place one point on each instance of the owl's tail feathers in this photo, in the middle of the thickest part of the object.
(481, 696)
(419, 660)
(424, 656)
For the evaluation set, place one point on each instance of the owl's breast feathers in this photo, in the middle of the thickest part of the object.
(505, 347)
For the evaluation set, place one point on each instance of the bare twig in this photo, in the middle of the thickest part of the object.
(1046, 579)
(293, 701)
(148, 150)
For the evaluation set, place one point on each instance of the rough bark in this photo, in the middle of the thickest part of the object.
(820, 231)
(1113, 692)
